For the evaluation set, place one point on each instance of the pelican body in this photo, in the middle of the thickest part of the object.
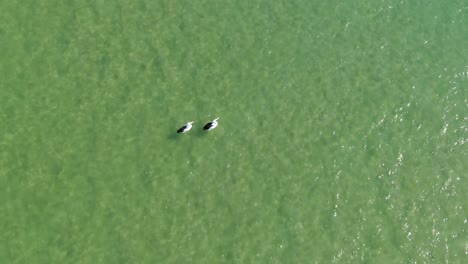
(185, 128)
(211, 125)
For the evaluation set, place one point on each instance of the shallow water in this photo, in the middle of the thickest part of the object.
(341, 138)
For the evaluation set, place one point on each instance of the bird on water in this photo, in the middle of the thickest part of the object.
(211, 125)
(185, 128)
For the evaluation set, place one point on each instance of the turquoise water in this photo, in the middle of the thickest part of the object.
(342, 135)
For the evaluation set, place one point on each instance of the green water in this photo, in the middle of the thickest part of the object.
(342, 135)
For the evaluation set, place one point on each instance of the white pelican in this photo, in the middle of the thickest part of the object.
(211, 125)
(185, 128)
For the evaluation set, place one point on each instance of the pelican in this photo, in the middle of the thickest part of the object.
(185, 128)
(211, 125)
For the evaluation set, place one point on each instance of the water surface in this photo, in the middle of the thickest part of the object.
(341, 139)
